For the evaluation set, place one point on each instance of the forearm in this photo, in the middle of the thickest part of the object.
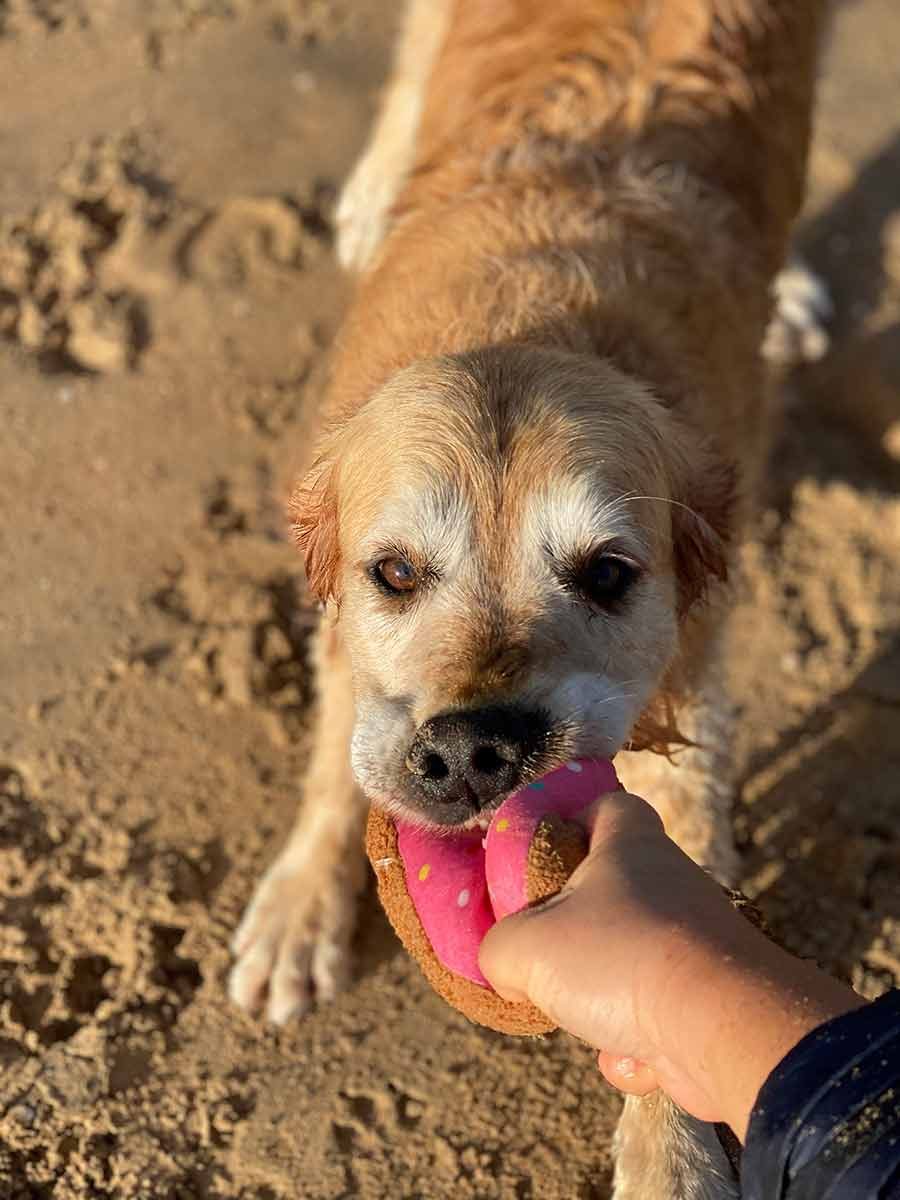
(757, 1008)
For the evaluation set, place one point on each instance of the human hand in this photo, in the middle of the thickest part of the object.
(643, 957)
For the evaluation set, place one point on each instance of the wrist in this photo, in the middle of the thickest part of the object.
(741, 1007)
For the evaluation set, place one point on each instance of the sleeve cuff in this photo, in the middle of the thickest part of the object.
(826, 1123)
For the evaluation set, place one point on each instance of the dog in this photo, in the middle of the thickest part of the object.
(547, 412)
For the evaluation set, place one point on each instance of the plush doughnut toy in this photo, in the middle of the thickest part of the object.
(443, 891)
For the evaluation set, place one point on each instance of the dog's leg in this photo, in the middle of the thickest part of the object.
(292, 945)
(364, 207)
(798, 330)
(694, 790)
(661, 1152)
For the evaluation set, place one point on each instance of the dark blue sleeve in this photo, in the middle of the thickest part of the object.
(826, 1124)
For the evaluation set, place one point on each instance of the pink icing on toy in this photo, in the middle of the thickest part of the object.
(445, 878)
(461, 884)
(565, 792)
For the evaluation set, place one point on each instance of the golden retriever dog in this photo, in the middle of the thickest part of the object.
(547, 411)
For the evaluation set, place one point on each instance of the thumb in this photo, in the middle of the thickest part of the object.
(512, 955)
(502, 959)
(516, 952)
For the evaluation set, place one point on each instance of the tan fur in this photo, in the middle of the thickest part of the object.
(576, 215)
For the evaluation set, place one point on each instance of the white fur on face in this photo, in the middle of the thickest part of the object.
(598, 707)
(433, 524)
(426, 518)
(571, 515)
(599, 711)
(378, 750)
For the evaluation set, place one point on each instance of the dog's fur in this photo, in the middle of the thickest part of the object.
(567, 222)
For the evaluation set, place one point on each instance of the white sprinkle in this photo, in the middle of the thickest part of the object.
(463, 898)
(574, 766)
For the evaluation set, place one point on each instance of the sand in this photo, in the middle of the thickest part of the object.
(167, 295)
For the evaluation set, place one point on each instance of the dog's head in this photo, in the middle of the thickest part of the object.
(512, 537)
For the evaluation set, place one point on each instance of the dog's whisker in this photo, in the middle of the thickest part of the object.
(628, 497)
(576, 713)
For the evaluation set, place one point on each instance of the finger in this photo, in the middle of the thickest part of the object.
(618, 813)
(627, 1074)
(504, 957)
(543, 956)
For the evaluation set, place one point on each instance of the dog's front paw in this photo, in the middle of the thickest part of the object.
(798, 330)
(293, 945)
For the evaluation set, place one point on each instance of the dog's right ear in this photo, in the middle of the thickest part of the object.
(313, 509)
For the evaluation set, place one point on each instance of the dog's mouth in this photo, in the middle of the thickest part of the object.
(470, 812)
(411, 788)
(460, 821)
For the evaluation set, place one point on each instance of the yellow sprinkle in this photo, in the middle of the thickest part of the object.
(424, 872)
(502, 825)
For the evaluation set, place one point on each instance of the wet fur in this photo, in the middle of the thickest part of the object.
(566, 255)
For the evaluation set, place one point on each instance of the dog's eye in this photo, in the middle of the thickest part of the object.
(396, 575)
(604, 579)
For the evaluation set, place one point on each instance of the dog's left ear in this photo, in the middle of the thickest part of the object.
(313, 509)
(703, 527)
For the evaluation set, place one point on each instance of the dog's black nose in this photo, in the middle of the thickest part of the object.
(474, 757)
